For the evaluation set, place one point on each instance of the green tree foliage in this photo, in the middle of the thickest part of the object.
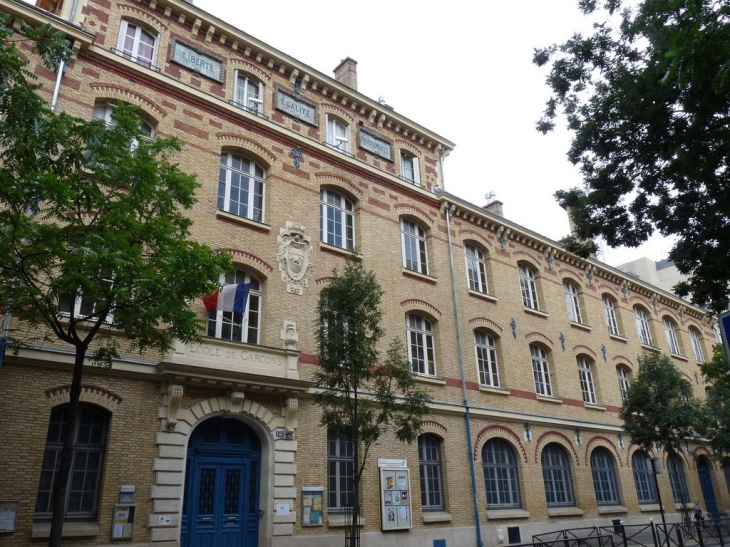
(647, 97)
(659, 408)
(93, 232)
(716, 425)
(361, 395)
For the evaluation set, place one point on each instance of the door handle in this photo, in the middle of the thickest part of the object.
(206, 518)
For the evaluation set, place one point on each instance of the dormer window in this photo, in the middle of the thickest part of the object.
(338, 135)
(409, 168)
(137, 44)
(249, 94)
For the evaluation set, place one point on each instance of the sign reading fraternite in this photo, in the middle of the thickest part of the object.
(296, 108)
(375, 144)
(197, 61)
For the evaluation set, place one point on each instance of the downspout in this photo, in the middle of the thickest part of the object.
(62, 64)
(447, 212)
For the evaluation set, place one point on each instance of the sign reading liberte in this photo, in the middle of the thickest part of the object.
(197, 61)
(376, 144)
(296, 108)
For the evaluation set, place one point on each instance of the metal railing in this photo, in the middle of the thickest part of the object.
(254, 111)
(134, 59)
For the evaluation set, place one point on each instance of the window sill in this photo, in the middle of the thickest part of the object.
(611, 509)
(650, 507)
(498, 514)
(435, 516)
(335, 249)
(535, 312)
(618, 337)
(580, 326)
(495, 390)
(433, 380)
(340, 521)
(679, 357)
(42, 530)
(564, 512)
(222, 215)
(595, 406)
(418, 275)
(651, 348)
(554, 400)
(483, 296)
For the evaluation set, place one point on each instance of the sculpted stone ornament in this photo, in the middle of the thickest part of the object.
(289, 335)
(295, 251)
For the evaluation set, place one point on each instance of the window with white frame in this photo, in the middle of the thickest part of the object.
(609, 309)
(540, 371)
(137, 44)
(338, 134)
(587, 385)
(486, 351)
(237, 326)
(413, 239)
(421, 352)
(476, 269)
(409, 168)
(695, 338)
(104, 111)
(624, 381)
(429, 465)
(84, 481)
(571, 302)
(249, 93)
(528, 286)
(336, 220)
(90, 307)
(670, 332)
(642, 326)
(241, 185)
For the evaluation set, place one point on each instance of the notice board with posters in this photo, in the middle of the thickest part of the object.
(395, 499)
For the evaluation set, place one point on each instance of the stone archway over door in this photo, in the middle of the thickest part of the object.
(222, 485)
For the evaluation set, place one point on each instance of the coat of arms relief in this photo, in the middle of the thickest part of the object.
(294, 257)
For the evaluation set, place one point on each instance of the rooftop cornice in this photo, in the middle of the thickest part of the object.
(502, 227)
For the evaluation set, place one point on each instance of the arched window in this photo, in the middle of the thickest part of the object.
(421, 350)
(541, 371)
(670, 332)
(241, 185)
(340, 472)
(336, 220)
(609, 309)
(623, 381)
(571, 302)
(476, 269)
(237, 326)
(249, 94)
(587, 385)
(413, 239)
(500, 475)
(557, 477)
(429, 465)
(528, 287)
(82, 492)
(604, 477)
(677, 479)
(696, 339)
(642, 326)
(104, 111)
(338, 134)
(137, 44)
(486, 351)
(643, 478)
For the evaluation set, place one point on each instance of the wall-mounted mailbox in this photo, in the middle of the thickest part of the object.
(123, 521)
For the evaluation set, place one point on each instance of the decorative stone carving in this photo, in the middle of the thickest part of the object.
(235, 401)
(289, 411)
(174, 396)
(289, 335)
(294, 257)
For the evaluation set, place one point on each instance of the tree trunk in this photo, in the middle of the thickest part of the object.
(60, 484)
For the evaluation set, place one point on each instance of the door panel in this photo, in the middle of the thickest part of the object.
(707, 491)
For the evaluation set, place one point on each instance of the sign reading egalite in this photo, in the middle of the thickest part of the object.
(296, 108)
(197, 61)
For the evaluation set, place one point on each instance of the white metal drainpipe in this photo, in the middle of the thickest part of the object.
(62, 64)
(447, 212)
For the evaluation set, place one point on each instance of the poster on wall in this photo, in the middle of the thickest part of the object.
(312, 499)
(395, 499)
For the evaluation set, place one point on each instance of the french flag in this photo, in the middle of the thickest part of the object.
(230, 298)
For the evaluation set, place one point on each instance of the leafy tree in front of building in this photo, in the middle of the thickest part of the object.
(362, 395)
(647, 98)
(93, 233)
(716, 425)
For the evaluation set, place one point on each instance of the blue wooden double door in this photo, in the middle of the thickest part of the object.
(223, 475)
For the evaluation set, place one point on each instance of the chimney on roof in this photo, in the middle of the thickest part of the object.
(495, 207)
(346, 72)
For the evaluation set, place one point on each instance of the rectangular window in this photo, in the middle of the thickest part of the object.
(409, 169)
(341, 472)
(540, 371)
(610, 312)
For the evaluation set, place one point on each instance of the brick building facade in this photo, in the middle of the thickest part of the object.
(220, 439)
